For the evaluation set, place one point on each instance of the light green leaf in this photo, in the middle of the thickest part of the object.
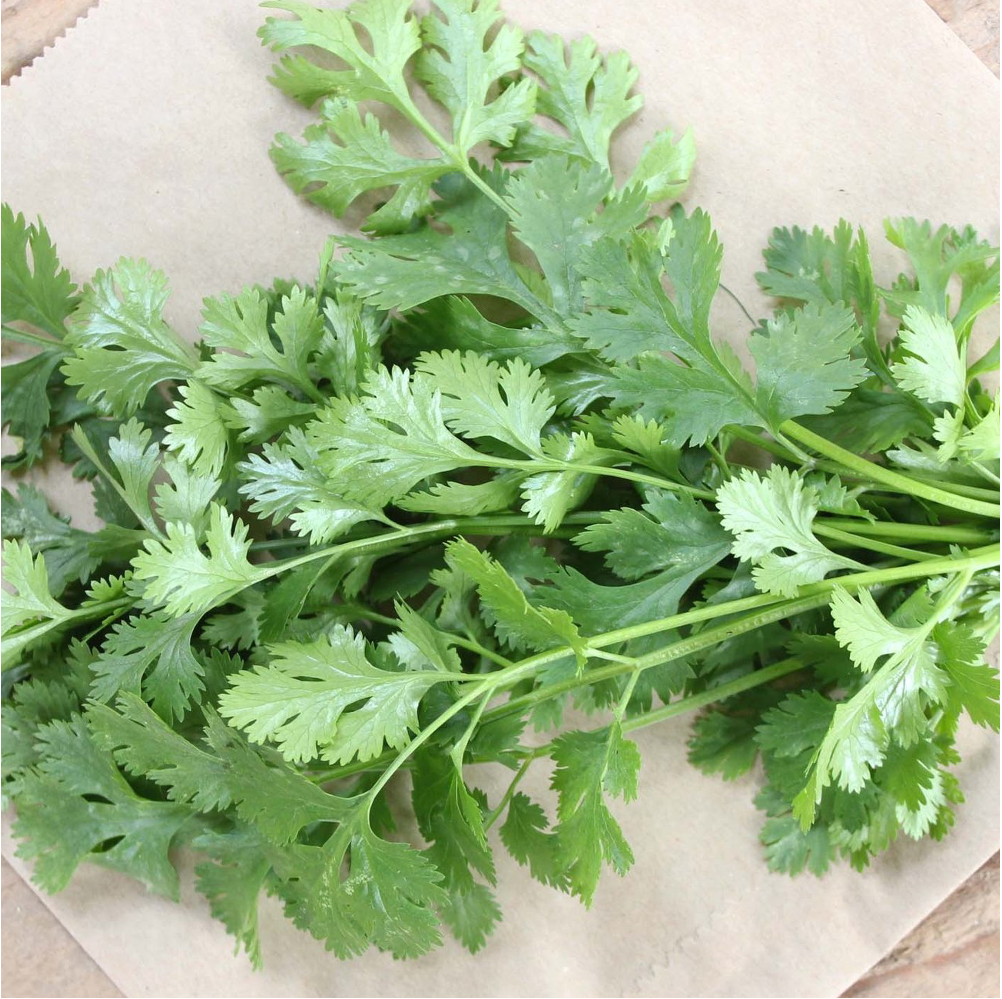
(935, 365)
(121, 344)
(664, 167)
(182, 579)
(775, 513)
(299, 700)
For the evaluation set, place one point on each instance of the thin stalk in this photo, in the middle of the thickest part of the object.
(947, 534)
(871, 544)
(960, 488)
(896, 480)
(23, 336)
(714, 694)
(769, 609)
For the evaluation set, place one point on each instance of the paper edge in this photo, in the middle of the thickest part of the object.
(32, 67)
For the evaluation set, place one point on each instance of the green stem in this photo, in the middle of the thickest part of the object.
(961, 489)
(870, 544)
(947, 534)
(714, 694)
(775, 609)
(496, 812)
(23, 336)
(886, 476)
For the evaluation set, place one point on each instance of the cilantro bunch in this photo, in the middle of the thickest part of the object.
(373, 533)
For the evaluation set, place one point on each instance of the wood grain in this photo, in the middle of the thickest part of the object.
(953, 952)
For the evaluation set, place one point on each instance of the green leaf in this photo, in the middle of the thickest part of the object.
(66, 550)
(586, 95)
(359, 889)
(771, 513)
(347, 155)
(723, 744)
(241, 324)
(893, 700)
(526, 839)
(548, 496)
(554, 204)
(674, 532)
(121, 345)
(268, 413)
(285, 481)
(935, 366)
(803, 365)
(34, 289)
(152, 655)
(400, 272)
(26, 410)
(471, 914)
(232, 883)
(589, 766)
(379, 446)
(182, 579)
(981, 442)
(28, 597)
(455, 322)
(300, 700)
(974, 684)
(198, 434)
(77, 802)
(515, 621)
(664, 167)
(459, 65)
(482, 399)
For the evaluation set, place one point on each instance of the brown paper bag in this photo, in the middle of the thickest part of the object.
(145, 132)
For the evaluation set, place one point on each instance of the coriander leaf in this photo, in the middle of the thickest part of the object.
(458, 66)
(346, 155)
(29, 597)
(459, 498)
(77, 802)
(871, 421)
(284, 481)
(66, 550)
(471, 913)
(187, 496)
(803, 364)
(299, 700)
(775, 512)
(241, 324)
(269, 412)
(399, 272)
(455, 322)
(724, 744)
(151, 654)
(693, 403)
(184, 580)
(379, 446)
(789, 850)
(554, 208)
(974, 685)
(35, 288)
(664, 167)
(232, 883)
(526, 839)
(893, 700)
(586, 95)
(674, 531)
(198, 434)
(26, 409)
(589, 766)
(121, 345)
(981, 442)
(359, 889)
(548, 496)
(482, 399)
(934, 367)
(515, 621)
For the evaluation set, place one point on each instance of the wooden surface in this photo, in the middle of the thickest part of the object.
(953, 952)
